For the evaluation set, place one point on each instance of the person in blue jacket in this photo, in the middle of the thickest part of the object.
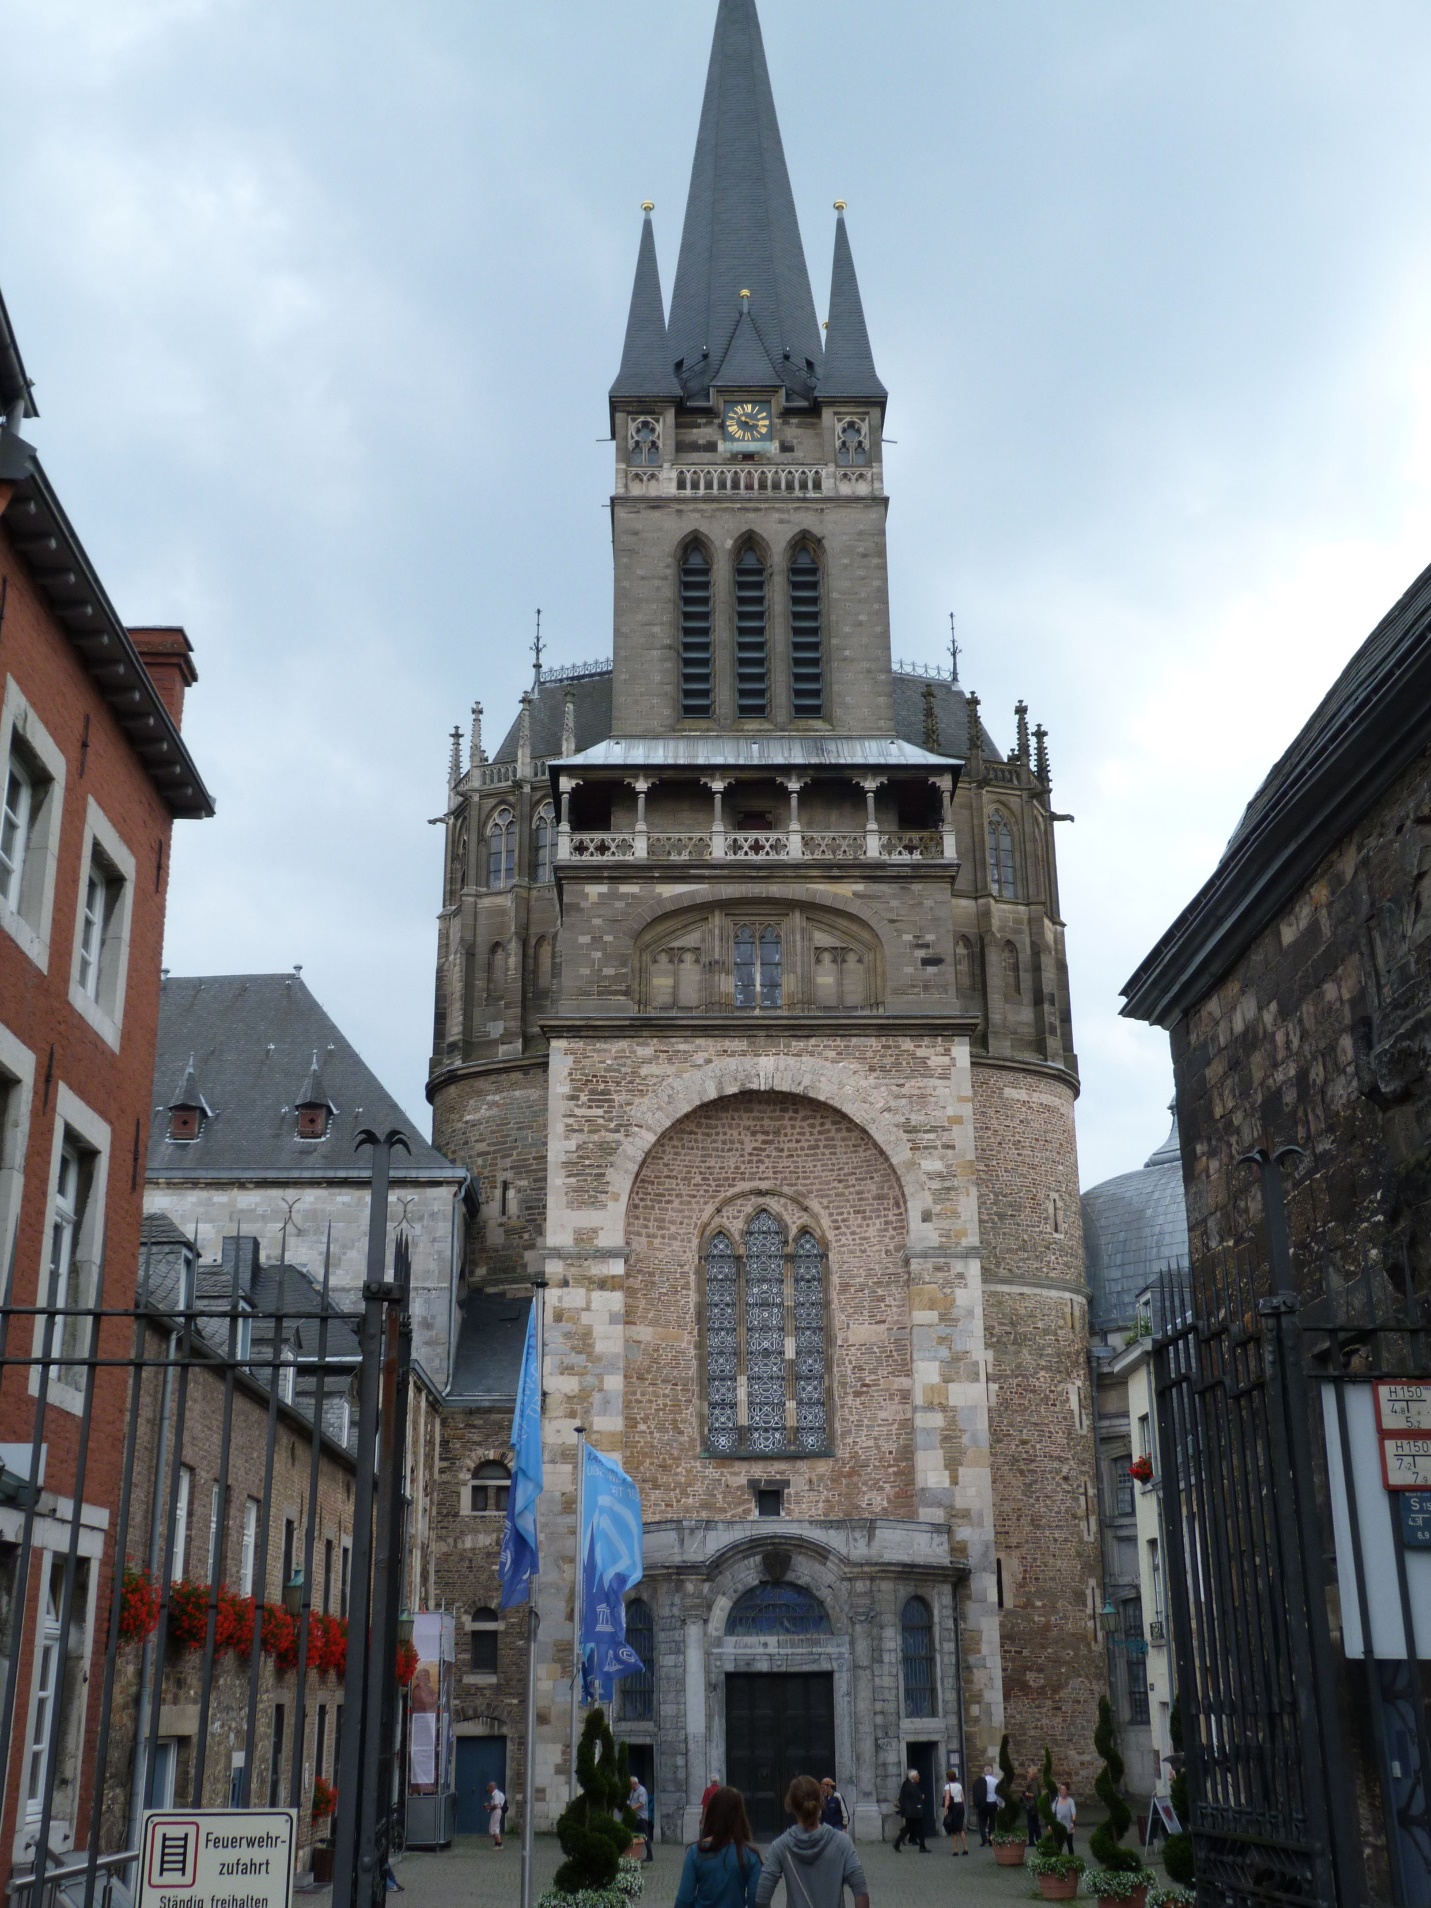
(723, 1868)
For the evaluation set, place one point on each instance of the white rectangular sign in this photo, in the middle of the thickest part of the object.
(217, 1858)
(1406, 1464)
(1373, 1528)
(1403, 1407)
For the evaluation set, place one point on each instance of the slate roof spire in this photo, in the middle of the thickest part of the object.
(741, 230)
(849, 362)
(646, 357)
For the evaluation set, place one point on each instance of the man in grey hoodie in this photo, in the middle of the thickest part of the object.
(817, 1863)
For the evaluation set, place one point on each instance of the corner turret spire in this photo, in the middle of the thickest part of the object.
(741, 230)
(849, 362)
(646, 357)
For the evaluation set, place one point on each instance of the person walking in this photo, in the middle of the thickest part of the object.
(640, 1805)
(954, 1813)
(989, 1810)
(496, 1803)
(911, 1811)
(723, 1868)
(1065, 1810)
(834, 1813)
(817, 1863)
(1030, 1802)
(706, 1794)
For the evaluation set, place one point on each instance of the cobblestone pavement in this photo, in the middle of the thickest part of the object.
(472, 1875)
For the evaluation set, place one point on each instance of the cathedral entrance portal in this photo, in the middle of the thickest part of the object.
(777, 1727)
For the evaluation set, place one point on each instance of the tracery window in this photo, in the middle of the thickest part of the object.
(696, 698)
(644, 440)
(636, 1693)
(1001, 857)
(766, 1356)
(807, 655)
(543, 842)
(917, 1657)
(777, 1609)
(852, 440)
(502, 849)
(759, 971)
(752, 672)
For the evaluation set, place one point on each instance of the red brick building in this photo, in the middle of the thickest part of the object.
(93, 773)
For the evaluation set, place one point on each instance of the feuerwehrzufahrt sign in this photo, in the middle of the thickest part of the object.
(217, 1858)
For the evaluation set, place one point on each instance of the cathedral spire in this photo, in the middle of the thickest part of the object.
(849, 362)
(741, 230)
(645, 357)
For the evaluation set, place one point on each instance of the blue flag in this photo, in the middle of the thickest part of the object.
(611, 1566)
(518, 1564)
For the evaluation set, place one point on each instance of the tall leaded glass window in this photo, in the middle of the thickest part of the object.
(696, 697)
(752, 672)
(807, 654)
(543, 842)
(722, 1345)
(917, 1654)
(1001, 857)
(636, 1693)
(502, 850)
(759, 968)
(766, 1350)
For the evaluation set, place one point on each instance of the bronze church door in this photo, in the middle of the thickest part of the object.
(777, 1727)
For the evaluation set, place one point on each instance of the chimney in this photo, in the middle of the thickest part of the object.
(167, 654)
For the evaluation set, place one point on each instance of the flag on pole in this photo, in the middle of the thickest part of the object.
(517, 1564)
(611, 1566)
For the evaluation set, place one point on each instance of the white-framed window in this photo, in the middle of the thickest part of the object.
(32, 787)
(213, 1551)
(74, 1245)
(166, 1770)
(181, 1521)
(46, 1692)
(57, 1701)
(287, 1375)
(250, 1546)
(345, 1576)
(100, 969)
(17, 1080)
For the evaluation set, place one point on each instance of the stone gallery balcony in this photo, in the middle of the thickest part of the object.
(790, 844)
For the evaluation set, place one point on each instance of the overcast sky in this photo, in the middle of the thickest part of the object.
(321, 302)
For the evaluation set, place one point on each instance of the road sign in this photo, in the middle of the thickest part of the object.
(217, 1858)
(1415, 1511)
(1406, 1464)
(1403, 1407)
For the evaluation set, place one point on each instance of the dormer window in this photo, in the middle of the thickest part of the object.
(187, 1108)
(313, 1122)
(645, 440)
(184, 1122)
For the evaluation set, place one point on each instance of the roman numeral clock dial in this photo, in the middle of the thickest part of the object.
(747, 421)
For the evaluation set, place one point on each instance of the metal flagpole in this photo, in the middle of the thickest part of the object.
(529, 1756)
(576, 1596)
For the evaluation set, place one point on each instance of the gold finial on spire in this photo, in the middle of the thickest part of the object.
(746, 292)
(840, 204)
(648, 205)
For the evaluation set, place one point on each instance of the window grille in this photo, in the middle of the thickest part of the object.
(759, 977)
(766, 1349)
(917, 1653)
(777, 1609)
(1001, 858)
(696, 697)
(807, 663)
(636, 1693)
(1137, 1689)
(752, 674)
(502, 850)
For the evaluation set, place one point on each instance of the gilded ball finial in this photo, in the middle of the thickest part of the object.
(648, 205)
(746, 292)
(840, 204)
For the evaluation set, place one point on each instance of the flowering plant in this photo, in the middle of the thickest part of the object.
(280, 1636)
(325, 1800)
(406, 1663)
(1142, 1469)
(234, 1629)
(188, 1614)
(328, 1644)
(1171, 1895)
(1116, 1884)
(138, 1605)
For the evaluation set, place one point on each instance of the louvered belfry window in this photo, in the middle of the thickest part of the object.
(807, 658)
(766, 1365)
(696, 697)
(752, 669)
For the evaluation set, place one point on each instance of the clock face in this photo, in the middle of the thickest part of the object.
(747, 422)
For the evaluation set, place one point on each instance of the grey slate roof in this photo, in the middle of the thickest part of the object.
(853, 752)
(253, 1037)
(490, 1340)
(951, 712)
(849, 363)
(591, 700)
(1134, 1227)
(740, 230)
(646, 357)
(747, 362)
(1373, 721)
(14, 381)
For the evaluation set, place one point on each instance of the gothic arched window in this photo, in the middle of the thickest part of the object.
(490, 1484)
(496, 968)
(777, 1609)
(636, 1693)
(645, 440)
(696, 698)
(1001, 857)
(852, 440)
(766, 1367)
(502, 849)
(543, 842)
(542, 965)
(1012, 985)
(964, 965)
(759, 975)
(916, 1638)
(752, 669)
(807, 649)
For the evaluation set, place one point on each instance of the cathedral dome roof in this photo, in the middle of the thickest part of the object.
(1134, 1227)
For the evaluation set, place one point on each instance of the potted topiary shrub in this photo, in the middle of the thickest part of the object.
(1120, 1875)
(1009, 1839)
(1053, 1866)
(596, 1827)
(1178, 1849)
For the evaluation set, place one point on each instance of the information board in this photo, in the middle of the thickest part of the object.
(1403, 1407)
(217, 1858)
(1406, 1463)
(1414, 1508)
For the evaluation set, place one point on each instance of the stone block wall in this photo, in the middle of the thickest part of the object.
(493, 1120)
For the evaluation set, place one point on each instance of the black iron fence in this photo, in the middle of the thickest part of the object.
(233, 1340)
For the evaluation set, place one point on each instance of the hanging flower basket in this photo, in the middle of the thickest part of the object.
(234, 1630)
(138, 1606)
(327, 1645)
(188, 1614)
(407, 1660)
(1141, 1470)
(280, 1636)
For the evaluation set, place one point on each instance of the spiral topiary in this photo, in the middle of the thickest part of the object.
(1106, 1839)
(596, 1826)
(1055, 1837)
(1178, 1849)
(1009, 1819)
